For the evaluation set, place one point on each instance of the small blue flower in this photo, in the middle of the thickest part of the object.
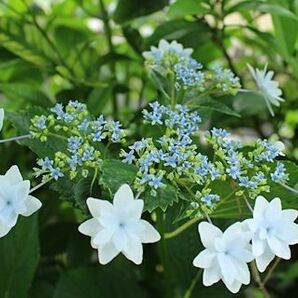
(40, 122)
(129, 157)
(74, 143)
(58, 110)
(88, 153)
(234, 172)
(280, 175)
(209, 199)
(46, 163)
(98, 136)
(56, 173)
(219, 132)
(245, 182)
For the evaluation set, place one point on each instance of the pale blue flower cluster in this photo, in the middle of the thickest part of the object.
(188, 73)
(225, 80)
(82, 134)
(46, 165)
(280, 175)
(250, 171)
(209, 199)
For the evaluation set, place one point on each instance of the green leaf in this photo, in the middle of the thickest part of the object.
(286, 30)
(213, 105)
(21, 121)
(19, 256)
(264, 7)
(181, 8)
(103, 282)
(26, 93)
(25, 41)
(164, 198)
(177, 29)
(115, 173)
(127, 10)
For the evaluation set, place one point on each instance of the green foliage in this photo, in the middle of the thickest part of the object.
(19, 252)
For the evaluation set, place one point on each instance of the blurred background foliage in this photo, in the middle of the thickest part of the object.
(91, 50)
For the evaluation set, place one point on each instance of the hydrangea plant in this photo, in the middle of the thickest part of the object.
(168, 173)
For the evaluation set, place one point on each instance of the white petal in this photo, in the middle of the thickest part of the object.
(243, 254)
(208, 233)
(211, 276)
(1, 123)
(227, 267)
(90, 227)
(123, 197)
(8, 217)
(289, 214)
(4, 230)
(107, 253)
(280, 248)
(292, 234)
(274, 209)
(204, 259)
(260, 207)
(102, 238)
(19, 195)
(32, 205)
(265, 259)
(134, 250)
(258, 246)
(120, 239)
(243, 274)
(14, 175)
(147, 234)
(132, 209)
(98, 207)
(233, 287)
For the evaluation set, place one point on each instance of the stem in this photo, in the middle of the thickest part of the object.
(138, 195)
(289, 188)
(39, 185)
(93, 181)
(257, 278)
(181, 229)
(247, 203)
(192, 285)
(15, 139)
(272, 268)
(108, 33)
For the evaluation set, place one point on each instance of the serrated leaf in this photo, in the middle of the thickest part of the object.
(115, 173)
(165, 197)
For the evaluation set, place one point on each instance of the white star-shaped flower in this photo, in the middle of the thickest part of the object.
(268, 87)
(1, 118)
(15, 199)
(273, 231)
(118, 227)
(225, 256)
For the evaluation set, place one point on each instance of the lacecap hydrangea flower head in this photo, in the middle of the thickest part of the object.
(118, 227)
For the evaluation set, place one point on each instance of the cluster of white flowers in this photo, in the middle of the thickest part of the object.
(268, 234)
(15, 199)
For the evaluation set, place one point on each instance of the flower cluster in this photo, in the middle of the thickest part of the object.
(174, 157)
(189, 74)
(225, 80)
(173, 62)
(81, 137)
(268, 234)
(250, 171)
